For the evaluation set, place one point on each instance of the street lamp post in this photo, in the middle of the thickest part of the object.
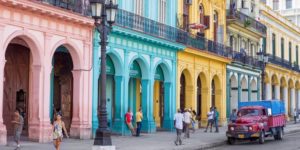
(103, 12)
(263, 58)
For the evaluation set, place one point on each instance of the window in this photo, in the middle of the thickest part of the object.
(274, 44)
(282, 48)
(290, 52)
(139, 7)
(275, 4)
(201, 11)
(162, 11)
(252, 6)
(243, 3)
(185, 16)
(288, 4)
(297, 55)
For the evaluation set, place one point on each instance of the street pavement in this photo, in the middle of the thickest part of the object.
(155, 141)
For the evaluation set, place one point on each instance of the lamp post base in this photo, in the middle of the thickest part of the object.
(102, 137)
(98, 147)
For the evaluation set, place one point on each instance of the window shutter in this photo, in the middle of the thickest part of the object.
(206, 21)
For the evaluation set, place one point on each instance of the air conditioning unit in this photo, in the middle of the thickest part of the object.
(188, 2)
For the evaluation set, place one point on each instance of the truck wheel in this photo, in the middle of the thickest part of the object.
(231, 141)
(279, 134)
(261, 137)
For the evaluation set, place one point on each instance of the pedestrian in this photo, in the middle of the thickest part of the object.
(216, 119)
(58, 127)
(178, 124)
(295, 115)
(128, 119)
(139, 118)
(233, 116)
(210, 119)
(187, 122)
(18, 126)
(194, 115)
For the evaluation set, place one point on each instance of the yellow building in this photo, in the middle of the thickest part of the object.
(201, 73)
(282, 71)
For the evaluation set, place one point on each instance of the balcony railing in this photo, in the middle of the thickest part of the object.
(283, 63)
(77, 6)
(247, 21)
(243, 58)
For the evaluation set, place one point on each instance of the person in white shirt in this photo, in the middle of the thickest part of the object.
(178, 124)
(187, 122)
(210, 119)
(295, 115)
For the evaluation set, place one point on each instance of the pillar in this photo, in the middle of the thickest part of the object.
(258, 89)
(268, 91)
(206, 97)
(147, 106)
(228, 95)
(249, 88)
(239, 88)
(292, 101)
(118, 123)
(277, 92)
(3, 132)
(298, 99)
(285, 99)
(168, 122)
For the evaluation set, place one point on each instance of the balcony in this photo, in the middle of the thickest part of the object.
(246, 21)
(243, 58)
(76, 6)
(283, 63)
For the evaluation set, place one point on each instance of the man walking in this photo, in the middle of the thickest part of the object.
(18, 126)
(216, 119)
(295, 115)
(139, 118)
(210, 119)
(187, 122)
(178, 124)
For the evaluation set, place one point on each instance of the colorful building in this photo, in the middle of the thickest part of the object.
(245, 36)
(45, 64)
(282, 73)
(201, 73)
(141, 65)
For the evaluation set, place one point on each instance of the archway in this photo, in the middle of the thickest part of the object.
(253, 90)
(244, 87)
(233, 92)
(216, 93)
(62, 85)
(291, 97)
(186, 90)
(202, 96)
(159, 96)
(283, 86)
(297, 87)
(182, 91)
(18, 77)
(135, 87)
(274, 86)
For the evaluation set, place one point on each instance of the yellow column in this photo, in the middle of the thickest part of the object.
(206, 97)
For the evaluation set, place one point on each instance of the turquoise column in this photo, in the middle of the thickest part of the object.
(239, 88)
(96, 72)
(124, 100)
(51, 94)
(249, 88)
(228, 95)
(258, 88)
(118, 122)
(173, 89)
(168, 122)
(148, 123)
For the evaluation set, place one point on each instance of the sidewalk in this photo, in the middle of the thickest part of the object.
(156, 141)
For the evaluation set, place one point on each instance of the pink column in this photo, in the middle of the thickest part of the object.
(79, 128)
(3, 133)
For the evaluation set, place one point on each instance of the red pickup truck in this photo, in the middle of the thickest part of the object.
(257, 120)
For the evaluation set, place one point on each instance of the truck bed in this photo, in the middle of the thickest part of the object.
(276, 121)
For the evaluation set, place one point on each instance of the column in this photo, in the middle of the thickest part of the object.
(249, 88)
(268, 91)
(118, 122)
(148, 123)
(292, 101)
(168, 122)
(239, 88)
(277, 92)
(285, 99)
(228, 95)
(298, 99)
(95, 84)
(258, 89)
(124, 100)
(3, 132)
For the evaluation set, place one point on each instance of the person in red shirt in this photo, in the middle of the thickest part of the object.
(128, 118)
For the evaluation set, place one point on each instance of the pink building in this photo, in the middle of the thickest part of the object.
(45, 64)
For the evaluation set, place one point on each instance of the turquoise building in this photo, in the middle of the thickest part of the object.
(141, 65)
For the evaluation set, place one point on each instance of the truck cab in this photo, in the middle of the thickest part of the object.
(255, 121)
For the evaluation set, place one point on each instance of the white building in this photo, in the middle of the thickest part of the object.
(287, 8)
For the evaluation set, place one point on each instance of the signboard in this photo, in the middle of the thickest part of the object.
(110, 68)
(135, 70)
(159, 75)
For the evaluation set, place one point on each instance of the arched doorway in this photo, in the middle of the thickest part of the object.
(233, 92)
(199, 97)
(291, 97)
(244, 93)
(135, 87)
(253, 90)
(16, 83)
(110, 90)
(213, 93)
(274, 86)
(62, 81)
(216, 94)
(182, 91)
(159, 96)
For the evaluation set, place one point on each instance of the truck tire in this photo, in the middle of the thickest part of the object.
(261, 137)
(279, 134)
(230, 141)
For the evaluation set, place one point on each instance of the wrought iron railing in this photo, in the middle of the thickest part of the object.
(78, 6)
(247, 21)
(246, 59)
(283, 63)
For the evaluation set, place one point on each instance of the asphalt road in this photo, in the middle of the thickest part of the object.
(289, 142)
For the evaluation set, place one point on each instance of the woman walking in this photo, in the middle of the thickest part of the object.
(58, 127)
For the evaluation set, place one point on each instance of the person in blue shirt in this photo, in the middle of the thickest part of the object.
(233, 116)
(216, 118)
